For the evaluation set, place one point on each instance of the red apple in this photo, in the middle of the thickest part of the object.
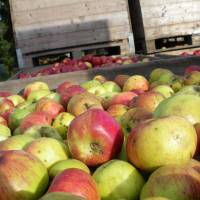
(76, 182)
(63, 86)
(185, 54)
(49, 106)
(117, 110)
(121, 79)
(6, 108)
(197, 52)
(35, 118)
(5, 94)
(94, 137)
(3, 121)
(192, 68)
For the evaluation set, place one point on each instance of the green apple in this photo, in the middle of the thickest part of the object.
(60, 196)
(48, 150)
(183, 105)
(66, 164)
(54, 96)
(98, 90)
(190, 89)
(37, 95)
(89, 84)
(62, 122)
(17, 142)
(16, 99)
(4, 132)
(111, 86)
(193, 78)
(118, 179)
(165, 90)
(28, 105)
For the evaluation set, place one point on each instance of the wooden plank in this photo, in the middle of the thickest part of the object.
(53, 81)
(77, 24)
(74, 39)
(68, 12)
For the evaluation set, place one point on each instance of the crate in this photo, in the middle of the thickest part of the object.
(162, 25)
(177, 65)
(47, 27)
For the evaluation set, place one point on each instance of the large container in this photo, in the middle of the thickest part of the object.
(46, 27)
(161, 25)
(177, 65)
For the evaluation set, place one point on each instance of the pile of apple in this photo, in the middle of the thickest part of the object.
(85, 63)
(130, 138)
(194, 53)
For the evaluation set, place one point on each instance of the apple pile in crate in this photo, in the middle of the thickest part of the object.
(130, 138)
(85, 63)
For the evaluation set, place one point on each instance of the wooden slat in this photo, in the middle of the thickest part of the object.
(74, 39)
(68, 12)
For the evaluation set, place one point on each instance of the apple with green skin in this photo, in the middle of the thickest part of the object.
(3, 121)
(100, 78)
(35, 118)
(121, 98)
(76, 182)
(16, 99)
(17, 142)
(89, 84)
(38, 131)
(97, 90)
(17, 116)
(37, 95)
(60, 196)
(23, 176)
(94, 137)
(33, 87)
(190, 89)
(80, 103)
(121, 79)
(183, 105)
(166, 78)
(148, 101)
(63, 86)
(48, 150)
(49, 106)
(151, 145)
(54, 96)
(132, 118)
(111, 86)
(118, 179)
(117, 111)
(136, 82)
(174, 182)
(193, 78)
(67, 164)
(177, 83)
(165, 90)
(4, 132)
(62, 122)
(28, 105)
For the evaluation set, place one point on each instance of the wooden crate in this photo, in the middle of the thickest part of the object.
(177, 65)
(161, 25)
(46, 26)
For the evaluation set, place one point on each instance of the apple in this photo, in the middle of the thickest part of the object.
(38, 131)
(16, 99)
(123, 98)
(76, 182)
(3, 121)
(37, 95)
(94, 137)
(191, 68)
(121, 79)
(48, 150)
(190, 89)
(111, 86)
(28, 105)
(4, 132)
(5, 94)
(193, 78)
(165, 90)
(151, 145)
(117, 111)
(17, 142)
(136, 82)
(97, 90)
(89, 84)
(54, 96)
(62, 122)
(60, 196)
(63, 86)
(35, 118)
(69, 93)
(16, 117)
(100, 78)
(80, 103)
(67, 164)
(118, 179)
(34, 87)
(132, 118)
(177, 83)
(23, 176)
(49, 106)
(148, 101)
(6, 107)
(183, 105)
(173, 182)
(196, 52)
